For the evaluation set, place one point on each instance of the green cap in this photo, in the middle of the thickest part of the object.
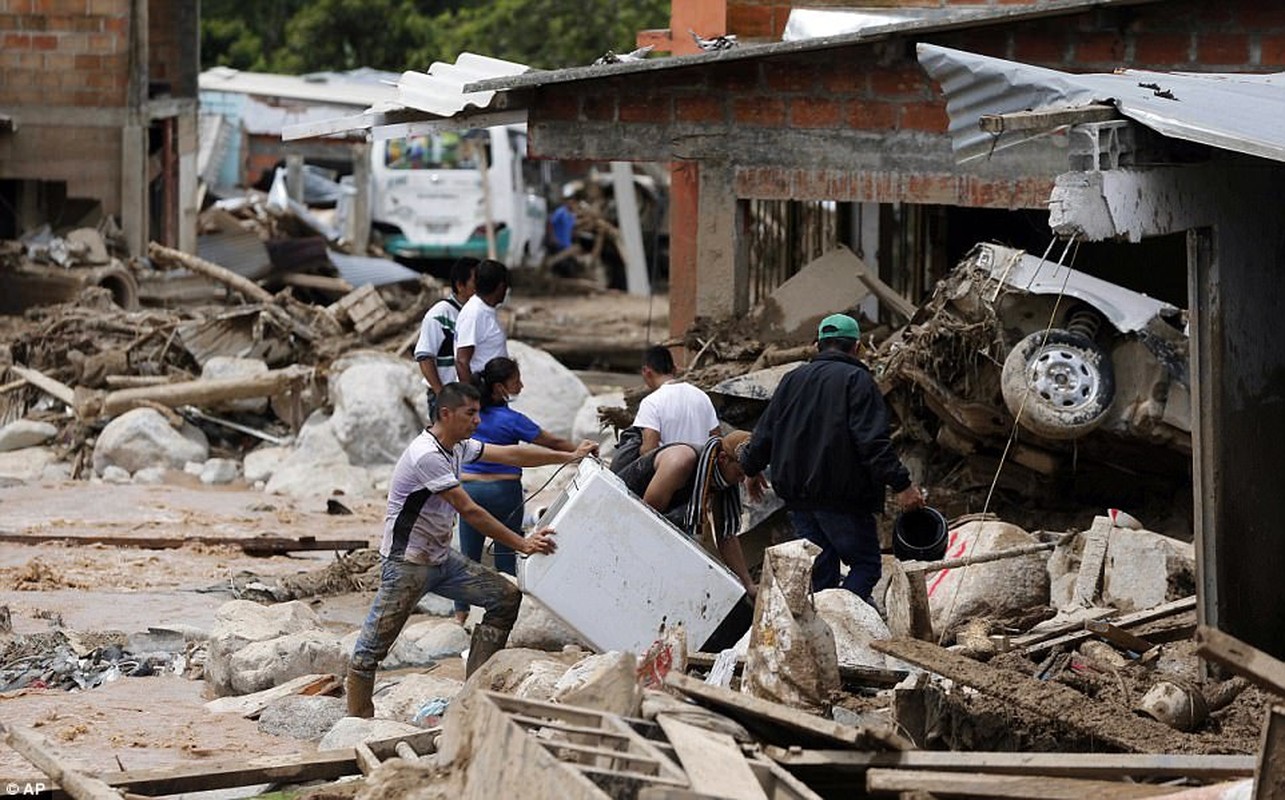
(838, 326)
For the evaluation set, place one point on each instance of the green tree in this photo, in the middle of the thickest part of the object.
(244, 35)
(346, 34)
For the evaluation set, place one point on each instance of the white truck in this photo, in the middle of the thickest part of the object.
(433, 194)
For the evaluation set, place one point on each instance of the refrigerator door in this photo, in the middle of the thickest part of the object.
(622, 573)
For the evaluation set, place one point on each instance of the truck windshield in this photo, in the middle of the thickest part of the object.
(441, 151)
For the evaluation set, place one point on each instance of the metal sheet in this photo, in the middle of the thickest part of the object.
(362, 270)
(1231, 111)
(240, 251)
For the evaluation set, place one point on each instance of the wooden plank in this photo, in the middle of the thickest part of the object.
(326, 765)
(752, 711)
(1241, 658)
(367, 761)
(252, 705)
(1125, 621)
(76, 784)
(1092, 559)
(1118, 636)
(1023, 787)
(1103, 766)
(566, 727)
(51, 387)
(1048, 699)
(255, 545)
(921, 617)
(713, 761)
(1046, 119)
(861, 676)
(985, 558)
(556, 745)
(1269, 783)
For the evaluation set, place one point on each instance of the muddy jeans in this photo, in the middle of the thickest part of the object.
(850, 537)
(401, 586)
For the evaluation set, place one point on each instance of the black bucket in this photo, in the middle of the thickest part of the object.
(920, 535)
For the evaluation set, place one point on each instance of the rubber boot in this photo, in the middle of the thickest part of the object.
(358, 690)
(487, 641)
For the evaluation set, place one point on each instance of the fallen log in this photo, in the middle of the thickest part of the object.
(256, 545)
(209, 269)
(51, 387)
(1085, 716)
(204, 392)
(968, 561)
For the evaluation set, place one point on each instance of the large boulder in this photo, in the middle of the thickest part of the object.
(405, 700)
(552, 395)
(855, 624)
(302, 717)
(380, 406)
(144, 438)
(239, 623)
(25, 433)
(262, 665)
(998, 588)
(219, 367)
(351, 731)
(1144, 569)
(605, 681)
(318, 466)
(534, 671)
(424, 643)
(538, 628)
(27, 464)
(260, 463)
(586, 424)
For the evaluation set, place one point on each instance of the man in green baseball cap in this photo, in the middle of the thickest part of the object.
(825, 434)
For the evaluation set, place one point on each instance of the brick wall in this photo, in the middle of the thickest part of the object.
(87, 159)
(64, 52)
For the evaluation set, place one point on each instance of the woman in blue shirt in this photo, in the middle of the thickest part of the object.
(497, 487)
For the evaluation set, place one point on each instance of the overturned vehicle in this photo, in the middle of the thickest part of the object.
(1072, 368)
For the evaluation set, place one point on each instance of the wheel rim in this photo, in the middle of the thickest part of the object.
(1063, 378)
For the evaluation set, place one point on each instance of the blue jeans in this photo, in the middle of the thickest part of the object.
(402, 584)
(502, 500)
(850, 537)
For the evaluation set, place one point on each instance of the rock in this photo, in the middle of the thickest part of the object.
(422, 644)
(1144, 569)
(541, 680)
(405, 699)
(435, 605)
(855, 625)
(115, 474)
(239, 623)
(218, 471)
(508, 669)
(193, 468)
(351, 731)
(537, 627)
(231, 367)
(379, 407)
(262, 665)
(55, 472)
(606, 682)
(302, 717)
(586, 424)
(318, 466)
(25, 433)
(27, 464)
(997, 588)
(553, 394)
(260, 463)
(143, 438)
(150, 476)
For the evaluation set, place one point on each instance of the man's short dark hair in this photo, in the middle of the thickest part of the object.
(490, 274)
(659, 359)
(456, 395)
(462, 270)
(843, 344)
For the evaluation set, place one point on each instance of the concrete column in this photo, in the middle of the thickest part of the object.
(188, 145)
(133, 188)
(683, 262)
(361, 201)
(722, 282)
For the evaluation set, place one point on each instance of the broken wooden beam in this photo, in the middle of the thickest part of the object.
(259, 545)
(76, 784)
(1047, 119)
(763, 715)
(51, 387)
(1243, 659)
(985, 558)
(1125, 621)
(247, 287)
(252, 705)
(1017, 787)
(206, 392)
(712, 760)
(861, 676)
(1048, 699)
(1092, 560)
(1118, 636)
(1269, 782)
(1104, 766)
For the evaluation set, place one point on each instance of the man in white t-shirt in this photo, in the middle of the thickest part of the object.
(478, 334)
(424, 497)
(435, 349)
(675, 413)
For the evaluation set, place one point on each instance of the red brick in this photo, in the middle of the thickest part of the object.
(844, 79)
(105, 43)
(762, 111)
(44, 42)
(1222, 48)
(1030, 48)
(558, 105)
(987, 41)
(32, 22)
(872, 116)
(1273, 50)
(809, 112)
(923, 117)
(59, 62)
(88, 62)
(9, 22)
(899, 82)
(700, 108)
(598, 108)
(737, 78)
(1099, 48)
(787, 77)
(1162, 49)
(646, 108)
(16, 41)
(750, 21)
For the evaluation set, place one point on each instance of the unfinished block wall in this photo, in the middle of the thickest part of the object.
(70, 60)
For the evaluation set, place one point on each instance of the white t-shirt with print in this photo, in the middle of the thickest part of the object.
(679, 412)
(479, 327)
(419, 522)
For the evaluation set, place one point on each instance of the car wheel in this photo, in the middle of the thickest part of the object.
(1058, 385)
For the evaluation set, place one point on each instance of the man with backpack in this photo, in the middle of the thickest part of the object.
(435, 349)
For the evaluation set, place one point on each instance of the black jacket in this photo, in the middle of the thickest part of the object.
(825, 434)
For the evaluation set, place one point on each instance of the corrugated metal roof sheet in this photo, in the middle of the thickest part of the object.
(440, 91)
(360, 89)
(362, 270)
(1239, 112)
